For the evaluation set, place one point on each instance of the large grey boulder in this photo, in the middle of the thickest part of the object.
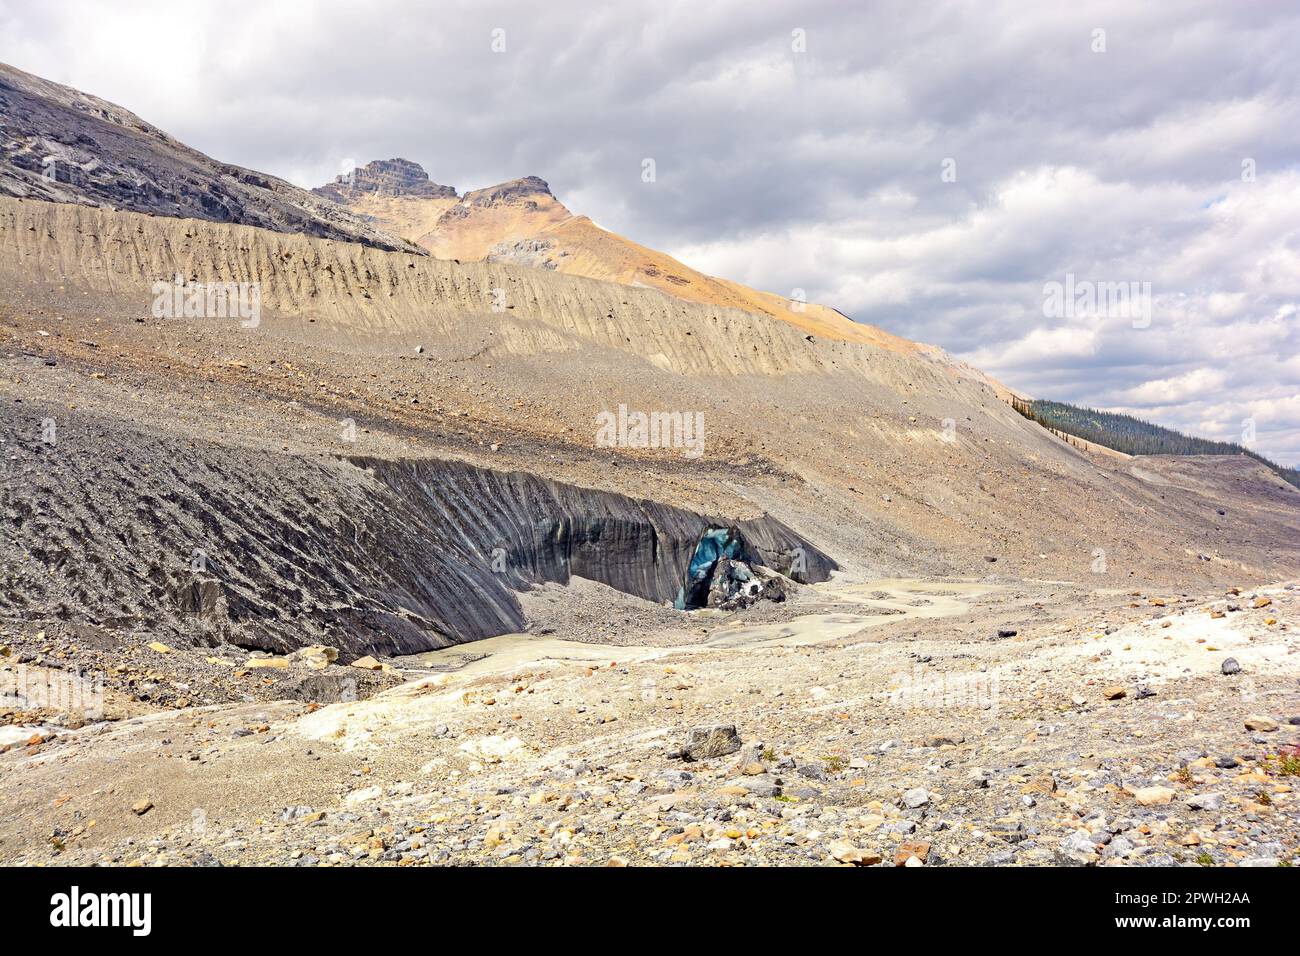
(703, 743)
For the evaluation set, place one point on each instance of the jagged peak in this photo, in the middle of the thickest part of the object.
(385, 177)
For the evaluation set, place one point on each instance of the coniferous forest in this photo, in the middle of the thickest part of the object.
(1133, 436)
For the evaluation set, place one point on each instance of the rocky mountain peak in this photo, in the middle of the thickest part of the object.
(529, 188)
(385, 177)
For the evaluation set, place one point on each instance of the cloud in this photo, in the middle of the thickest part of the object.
(1195, 384)
(819, 170)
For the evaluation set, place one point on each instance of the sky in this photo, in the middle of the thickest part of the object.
(941, 170)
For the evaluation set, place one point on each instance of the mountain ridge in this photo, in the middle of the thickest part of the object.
(62, 145)
(521, 221)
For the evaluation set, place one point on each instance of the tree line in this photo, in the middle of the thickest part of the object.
(1133, 436)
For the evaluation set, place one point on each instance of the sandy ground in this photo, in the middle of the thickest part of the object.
(921, 733)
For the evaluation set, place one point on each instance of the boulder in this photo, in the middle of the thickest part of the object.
(704, 743)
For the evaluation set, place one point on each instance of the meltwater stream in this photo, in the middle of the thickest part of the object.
(893, 599)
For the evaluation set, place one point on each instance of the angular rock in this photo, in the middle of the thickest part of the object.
(909, 850)
(1205, 801)
(1261, 723)
(704, 743)
(315, 656)
(915, 798)
(1153, 796)
(1078, 847)
(847, 853)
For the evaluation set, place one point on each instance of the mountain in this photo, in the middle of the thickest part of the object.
(392, 178)
(522, 222)
(349, 457)
(62, 145)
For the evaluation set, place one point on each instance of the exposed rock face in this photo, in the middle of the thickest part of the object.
(385, 177)
(536, 253)
(61, 145)
(526, 189)
(519, 196)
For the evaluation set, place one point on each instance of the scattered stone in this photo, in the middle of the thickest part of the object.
(367, 663)
(1114, 693)
(141, 807)
(1230, 666)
